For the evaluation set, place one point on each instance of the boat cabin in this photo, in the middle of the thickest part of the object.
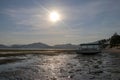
(89, 48)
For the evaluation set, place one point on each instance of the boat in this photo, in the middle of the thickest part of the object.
(90, 48)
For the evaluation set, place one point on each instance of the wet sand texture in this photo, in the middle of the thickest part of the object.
(59, 66)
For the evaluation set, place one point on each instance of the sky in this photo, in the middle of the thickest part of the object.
(27, 21)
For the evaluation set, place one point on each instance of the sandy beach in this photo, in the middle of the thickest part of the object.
(112, 50)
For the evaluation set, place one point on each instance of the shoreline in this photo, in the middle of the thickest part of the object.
(112, 50)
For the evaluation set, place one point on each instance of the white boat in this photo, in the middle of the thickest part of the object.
(89, 48)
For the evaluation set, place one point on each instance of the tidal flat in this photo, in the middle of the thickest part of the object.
(58, 65)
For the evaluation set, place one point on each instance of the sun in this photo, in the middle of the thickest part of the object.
(54, 16)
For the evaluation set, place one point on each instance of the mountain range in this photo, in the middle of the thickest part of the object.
(39, 46)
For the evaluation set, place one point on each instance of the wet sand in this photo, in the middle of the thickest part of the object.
(112, 50)
(58, 65)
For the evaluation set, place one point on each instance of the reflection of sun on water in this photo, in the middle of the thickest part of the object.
(54, 16)
(55, 65)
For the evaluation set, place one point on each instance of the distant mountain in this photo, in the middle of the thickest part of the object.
(36, 45)
(16, 46)
(66, 46)
(33, 45)
(3, 46)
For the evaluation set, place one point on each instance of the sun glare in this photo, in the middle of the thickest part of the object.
(54, 16)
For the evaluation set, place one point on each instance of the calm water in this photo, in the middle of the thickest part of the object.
(64, 66)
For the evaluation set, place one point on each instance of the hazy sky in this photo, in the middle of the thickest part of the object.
(27, 21)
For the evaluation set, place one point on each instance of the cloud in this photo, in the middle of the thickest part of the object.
(38, 16)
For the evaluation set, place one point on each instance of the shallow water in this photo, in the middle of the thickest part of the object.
(61, 66)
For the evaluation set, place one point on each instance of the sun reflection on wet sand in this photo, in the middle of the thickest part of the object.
(55, 65)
